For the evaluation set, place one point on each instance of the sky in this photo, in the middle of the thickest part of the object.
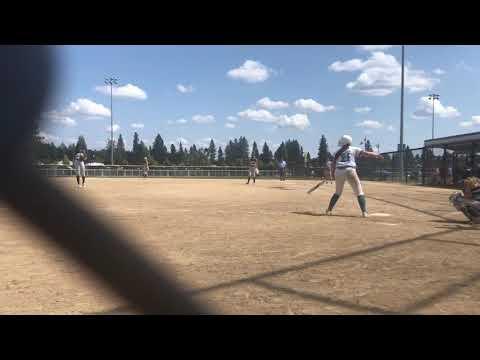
(265, 93)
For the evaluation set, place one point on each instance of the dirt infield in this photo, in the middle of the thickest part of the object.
(261, 249)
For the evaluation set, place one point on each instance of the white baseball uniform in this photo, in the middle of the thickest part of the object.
(252, 170)
(346, 170)
(80, 164)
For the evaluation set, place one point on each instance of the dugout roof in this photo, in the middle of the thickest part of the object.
(462, 142)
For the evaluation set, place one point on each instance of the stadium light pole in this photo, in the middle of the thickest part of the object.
(433, 97)
(111, 81)
(401, 114)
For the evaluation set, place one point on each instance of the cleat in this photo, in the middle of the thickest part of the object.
(365, 214)
(328, 213)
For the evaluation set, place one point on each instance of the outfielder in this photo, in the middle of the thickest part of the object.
(145, 167)
(283, 169)
(468, 202)
(345, 169)
(79, 161)
(252, 170)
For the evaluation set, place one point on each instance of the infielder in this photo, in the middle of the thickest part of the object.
(145, 167)
(252, 170)
(345, 169)
(468, 202)
(80, 159)
(283, 169)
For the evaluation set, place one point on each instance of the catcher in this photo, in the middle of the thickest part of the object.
(468, 202)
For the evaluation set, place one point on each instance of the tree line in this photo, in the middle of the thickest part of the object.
(236, 153)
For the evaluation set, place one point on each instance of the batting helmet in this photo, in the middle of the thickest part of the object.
(345, 140)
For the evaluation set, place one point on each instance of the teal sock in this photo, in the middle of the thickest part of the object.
(363, 203)
(333, 201)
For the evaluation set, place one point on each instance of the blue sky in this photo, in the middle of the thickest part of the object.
(273, 93)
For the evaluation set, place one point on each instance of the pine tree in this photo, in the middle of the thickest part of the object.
(136, 143)
(229, 153)
(280, 153)
(180, 154)
(108, 150)
(243, 151)
(266, 155)
(81, 144)
(120, 154)
(220, 157)
(294, 153)
(142, 152)
(173, 154)
(255, 152)
(323, 154)
(211, 152)
(159, 150)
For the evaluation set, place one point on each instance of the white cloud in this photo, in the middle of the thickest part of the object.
(368, 132)
(373, 47)
(81, 109)
(370, 124)
(232, 118)
(475, 121)
(258, 115)
(230, 126)
(362, 110)
(466, 124)
(116, 127)
(125, 91)
(271, 104)
(391, 128)
(61, 120)
(203, 119)
(178, 121)
(438, 71)
(299, 121)
(137, 126)
(381, 75)
(251, 72)
(184, 89)
(48, 138)
(86, 108)
(312, 105)
(424, 109)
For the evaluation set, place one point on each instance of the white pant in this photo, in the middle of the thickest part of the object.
(80, 168)
(349, 174)
(252, 172)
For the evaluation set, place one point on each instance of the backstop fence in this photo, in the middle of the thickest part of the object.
(422, 166)
(178, 171)
(432, 166)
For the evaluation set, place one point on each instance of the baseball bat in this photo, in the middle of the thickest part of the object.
(316, 187)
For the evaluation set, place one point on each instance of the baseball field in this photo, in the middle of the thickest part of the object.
(260, 249)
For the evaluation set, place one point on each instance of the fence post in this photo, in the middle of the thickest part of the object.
(424, 159)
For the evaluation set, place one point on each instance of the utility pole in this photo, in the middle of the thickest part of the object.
(111, 81)
(401, 115)
(433, 97)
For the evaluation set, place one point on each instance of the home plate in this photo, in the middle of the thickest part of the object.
(379, 214)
